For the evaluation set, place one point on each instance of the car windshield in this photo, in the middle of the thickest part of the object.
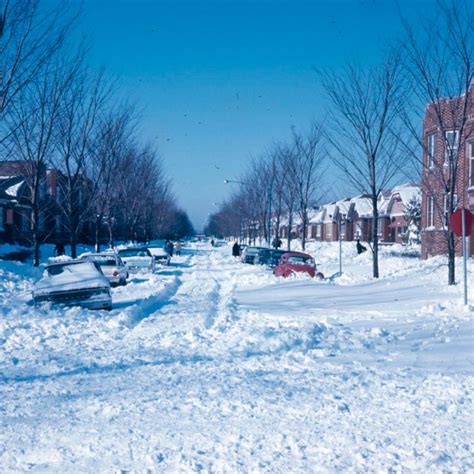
(103, 260)
(296, 260)
(55, 270)
(134, 253)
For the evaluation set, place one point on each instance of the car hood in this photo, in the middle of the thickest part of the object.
(53, 284)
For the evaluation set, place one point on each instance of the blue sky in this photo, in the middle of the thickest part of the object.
(220, 81)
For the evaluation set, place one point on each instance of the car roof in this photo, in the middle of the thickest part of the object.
(68, 262)
(296, 254)
(134, 248)
(99, 254)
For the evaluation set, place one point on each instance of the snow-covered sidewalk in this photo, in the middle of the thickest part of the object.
(213, 365)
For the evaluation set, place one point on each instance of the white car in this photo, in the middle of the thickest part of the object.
(137, 258)
(160, 253)
(111, 265)
(75, 282)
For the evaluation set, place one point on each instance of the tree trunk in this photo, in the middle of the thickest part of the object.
(290, 225)
(304, 229)
(97, 234)
(73, 242)
(451, 260)
(375, 238)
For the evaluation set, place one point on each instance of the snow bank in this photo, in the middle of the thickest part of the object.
(213, 365)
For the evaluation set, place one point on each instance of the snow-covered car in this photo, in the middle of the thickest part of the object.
(137, 258)
(249, 254)
(158, 248)
(296, 262)
(111, 265)
(74, 283)
(275, 256)
(262, 257)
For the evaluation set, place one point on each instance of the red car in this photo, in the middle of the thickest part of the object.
(297, 262)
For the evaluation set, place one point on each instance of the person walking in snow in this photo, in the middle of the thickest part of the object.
(235, 250)
(360, 248)
(59, 249)
(178, 248)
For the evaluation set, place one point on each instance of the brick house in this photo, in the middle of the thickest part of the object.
(436, 152)
(15, 204)
(355, 215)
(400, 197)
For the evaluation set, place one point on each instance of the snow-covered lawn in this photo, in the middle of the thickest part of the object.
(213, 365)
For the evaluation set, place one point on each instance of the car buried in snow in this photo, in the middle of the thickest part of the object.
(111, 265)
(297, 262)
(74, 283)
(275, 256)
(262, 257)
(137, 259)
(158, 248)
(249, 254)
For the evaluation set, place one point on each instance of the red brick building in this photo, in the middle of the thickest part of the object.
(448, 150)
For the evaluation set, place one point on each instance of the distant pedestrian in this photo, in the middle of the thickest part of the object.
(170, 248)
(235, 250)
(212, 242)
(360, 247)
(59, 248)
(178, 248)
(276, 244)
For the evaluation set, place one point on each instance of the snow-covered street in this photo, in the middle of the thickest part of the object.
(213, 365)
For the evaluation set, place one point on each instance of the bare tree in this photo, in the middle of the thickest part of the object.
(30, 35)
(114, 134)
(286, 164)
(32, 133)
(439, 61)
(81, 105)
(308, 171)
(364, 108)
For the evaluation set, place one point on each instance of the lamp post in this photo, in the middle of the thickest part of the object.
(337, 218)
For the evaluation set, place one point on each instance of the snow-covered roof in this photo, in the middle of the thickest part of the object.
(330, 211)
(363, 205)
(407, 192)
(316, 215)
(13, 190)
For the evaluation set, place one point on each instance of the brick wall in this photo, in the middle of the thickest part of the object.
(433, 238)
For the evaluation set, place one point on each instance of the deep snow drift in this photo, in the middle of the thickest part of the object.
(214, 365)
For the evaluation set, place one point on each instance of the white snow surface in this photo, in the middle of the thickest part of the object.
(212, 365)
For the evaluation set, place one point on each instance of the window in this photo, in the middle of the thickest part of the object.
(431, 150)
(452, 143)
(470, 154)
(430, 211)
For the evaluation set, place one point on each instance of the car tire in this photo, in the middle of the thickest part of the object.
(319, 276)
(123, 282)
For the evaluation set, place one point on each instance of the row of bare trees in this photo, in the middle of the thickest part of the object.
(57, 114)
(285, 182)
(374, 129)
